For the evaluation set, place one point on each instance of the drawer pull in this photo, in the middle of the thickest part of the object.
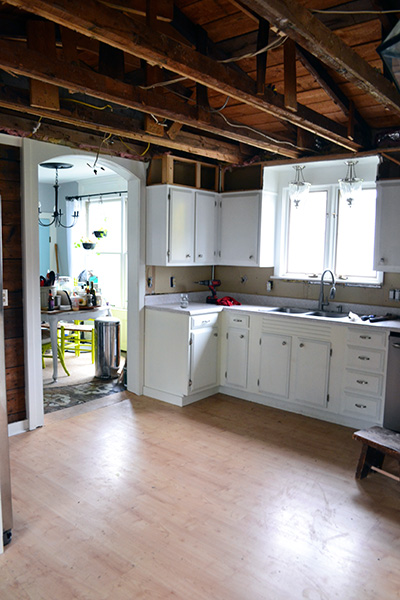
(301, 345)
(242, 336)
(360, 405)
(365, 337)
(283, 343)
(215, 334)
(396, 345)
(200, 255)
(238, 320)
(362, 382)
(364, 357)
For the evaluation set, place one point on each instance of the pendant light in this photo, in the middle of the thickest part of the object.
(57, 214)
(298, 189)
(350, 186)
(389, 52)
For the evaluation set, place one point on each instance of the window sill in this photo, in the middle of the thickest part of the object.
(316, 281)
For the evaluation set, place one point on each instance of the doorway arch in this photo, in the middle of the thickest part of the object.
(133, 172)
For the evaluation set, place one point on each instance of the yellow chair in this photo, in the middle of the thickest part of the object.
(71, 338)
(46, 346)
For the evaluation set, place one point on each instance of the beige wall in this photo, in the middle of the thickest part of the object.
(256, 282)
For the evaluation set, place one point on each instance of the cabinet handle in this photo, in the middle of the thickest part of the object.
(364, 357)
(360, 405)
(251, 256)
(365, 337)
(242, 336)
(301, 345)
(200, 255)
(395, 345)
(283, 343)
(362, 382)
(187, 255)
(215, 334)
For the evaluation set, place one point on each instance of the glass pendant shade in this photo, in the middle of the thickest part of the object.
(350, 186)
(389, 52)
(298, 189)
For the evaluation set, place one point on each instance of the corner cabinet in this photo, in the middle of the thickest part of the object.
(181, 356)
(387, 239)
(187, 227)
(181, 225)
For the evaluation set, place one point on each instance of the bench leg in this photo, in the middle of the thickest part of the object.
(369, 457)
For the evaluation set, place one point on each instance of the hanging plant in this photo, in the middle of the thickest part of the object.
(100, 233)
(86, 244)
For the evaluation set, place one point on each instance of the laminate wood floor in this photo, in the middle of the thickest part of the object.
(221, 500)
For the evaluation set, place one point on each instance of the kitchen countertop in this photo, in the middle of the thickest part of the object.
(197, 308)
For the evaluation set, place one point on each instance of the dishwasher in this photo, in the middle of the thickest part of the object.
(391, 415)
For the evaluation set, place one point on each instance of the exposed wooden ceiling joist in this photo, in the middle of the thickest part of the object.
(105, 24)
(124, 128)
(83, 80)
(307, 30)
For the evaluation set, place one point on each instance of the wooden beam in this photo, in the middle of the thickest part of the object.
(322, 77)
(163, 9)
(86, 81)
(124, 127)
(262, 41)
(106, 25)
(307, 30)
(41, 37)
(289, 63)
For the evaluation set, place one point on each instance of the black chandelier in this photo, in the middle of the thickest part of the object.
(57, 213)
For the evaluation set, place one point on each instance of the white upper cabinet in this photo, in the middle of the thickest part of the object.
(246, 231)
(180, 226)
(205, 228)
(387, 239)
(185, 226)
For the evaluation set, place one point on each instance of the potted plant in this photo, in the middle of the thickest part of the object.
(86, 243)
(100, 233)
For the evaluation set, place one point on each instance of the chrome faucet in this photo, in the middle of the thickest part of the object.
(321, 302)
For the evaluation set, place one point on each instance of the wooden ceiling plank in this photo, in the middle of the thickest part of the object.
(106, 25)
(305, 29)
(81, 80)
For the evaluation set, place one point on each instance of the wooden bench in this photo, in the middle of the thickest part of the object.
(377, 443)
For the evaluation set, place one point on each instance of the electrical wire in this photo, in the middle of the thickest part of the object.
(130, 149)
(36, 127)
(162, 83)
(89, 105)
(271, 46)
(105, 138)
(329, 11)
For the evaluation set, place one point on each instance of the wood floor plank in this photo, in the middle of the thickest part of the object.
(223, 500)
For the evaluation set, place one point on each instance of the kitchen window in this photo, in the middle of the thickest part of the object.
(324, 232)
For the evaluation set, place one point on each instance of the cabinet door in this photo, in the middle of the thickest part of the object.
(387, 239)
(205, 228)
(274, 370)
(239, 229)
(311, 371)
(181, 226)
(237, 356)
(203, 359)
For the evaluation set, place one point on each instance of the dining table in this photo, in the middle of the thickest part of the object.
(53, 317)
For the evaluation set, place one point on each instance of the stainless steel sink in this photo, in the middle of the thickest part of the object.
(330, 315)
(291, 310)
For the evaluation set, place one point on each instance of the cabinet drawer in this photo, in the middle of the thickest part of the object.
(366, 337)
(363, 383)
(364, 408)
(208, 320)
(366, 359)
(236, 320)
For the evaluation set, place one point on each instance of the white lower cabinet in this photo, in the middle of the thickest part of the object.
(274, 371)
(237, 351)
(181, 356)
(311, 372)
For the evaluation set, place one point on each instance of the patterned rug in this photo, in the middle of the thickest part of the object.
(71, 395)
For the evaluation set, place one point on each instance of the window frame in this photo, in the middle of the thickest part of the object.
(330, 246)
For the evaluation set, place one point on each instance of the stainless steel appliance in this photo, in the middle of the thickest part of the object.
(5, 483)
(391, 416)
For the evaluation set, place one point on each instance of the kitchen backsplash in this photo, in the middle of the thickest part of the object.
(253, 280)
